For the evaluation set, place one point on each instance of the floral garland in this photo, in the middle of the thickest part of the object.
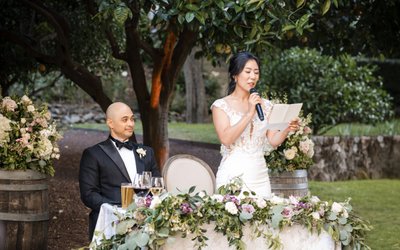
(148, 223)
(28, 138)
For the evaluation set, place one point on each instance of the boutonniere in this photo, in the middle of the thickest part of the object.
(141, 152)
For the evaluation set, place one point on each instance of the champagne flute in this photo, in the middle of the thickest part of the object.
(157, 185)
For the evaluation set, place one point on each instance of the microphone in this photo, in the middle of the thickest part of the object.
(258, 106)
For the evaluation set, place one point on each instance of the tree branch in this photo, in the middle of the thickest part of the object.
(116, 52)
(58, 22)
(26, 45)
(134, 22)
(186, 42)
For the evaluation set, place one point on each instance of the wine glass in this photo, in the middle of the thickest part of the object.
(142, 183)
(157, 185)
(147, 179)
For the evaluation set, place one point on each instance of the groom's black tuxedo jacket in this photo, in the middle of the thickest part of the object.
(101, 173)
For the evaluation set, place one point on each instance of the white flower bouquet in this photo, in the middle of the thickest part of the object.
(28, 138)
(295, 152)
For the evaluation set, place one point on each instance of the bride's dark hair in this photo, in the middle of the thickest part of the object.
(236, 65)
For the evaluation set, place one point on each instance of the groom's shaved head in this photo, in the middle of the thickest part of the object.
(117, 108)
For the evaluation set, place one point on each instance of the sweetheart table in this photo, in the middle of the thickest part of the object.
(296, 237)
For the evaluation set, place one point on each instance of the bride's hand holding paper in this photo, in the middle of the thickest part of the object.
(294, 125)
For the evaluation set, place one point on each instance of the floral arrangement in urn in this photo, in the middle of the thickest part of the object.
(295, 152)
(150, 221)
(28, 137)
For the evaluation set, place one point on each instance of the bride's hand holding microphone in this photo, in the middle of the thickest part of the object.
(255, 103)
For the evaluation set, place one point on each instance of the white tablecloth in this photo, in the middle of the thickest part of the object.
(295, 237)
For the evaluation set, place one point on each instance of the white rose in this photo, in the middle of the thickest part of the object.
(293, 200)
(155, 202)
(277, 200)
(23, 120)
(304, 146)
(5, 123)
(218, 197)
(9, 104)
(231, 207)
(289, 153)
(202, 194)
(26, 100)
(30, 108)
(261, 203)
(315, 215)
(314, 200)
(336, 207)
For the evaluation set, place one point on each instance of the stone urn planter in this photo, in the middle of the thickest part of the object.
(24, 210)
(289, 183)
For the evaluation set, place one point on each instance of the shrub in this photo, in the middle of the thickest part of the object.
(334, 90)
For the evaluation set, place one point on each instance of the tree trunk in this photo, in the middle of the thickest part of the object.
(196, 110)
(158, 134)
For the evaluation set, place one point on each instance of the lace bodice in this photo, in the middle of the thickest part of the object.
(253, 140)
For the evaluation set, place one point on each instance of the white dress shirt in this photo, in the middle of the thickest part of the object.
(128, 157)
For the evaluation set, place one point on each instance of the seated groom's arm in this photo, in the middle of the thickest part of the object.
(89, 185)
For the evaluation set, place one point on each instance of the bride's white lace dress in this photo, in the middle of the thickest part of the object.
(245, 157)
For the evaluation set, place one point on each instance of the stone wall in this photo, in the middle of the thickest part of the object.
(345, 158)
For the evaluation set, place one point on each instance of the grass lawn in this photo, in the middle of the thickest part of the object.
(375, 200)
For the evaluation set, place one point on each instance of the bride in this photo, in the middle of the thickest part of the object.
(244, 137)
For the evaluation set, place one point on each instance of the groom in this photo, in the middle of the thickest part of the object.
(107, 164)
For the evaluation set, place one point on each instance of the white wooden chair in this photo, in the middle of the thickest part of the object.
(183, 171)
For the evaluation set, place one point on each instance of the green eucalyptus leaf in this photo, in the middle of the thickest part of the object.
(141, 239)
(191, 189)
(332, 216)
(342, 220)
(124, 226)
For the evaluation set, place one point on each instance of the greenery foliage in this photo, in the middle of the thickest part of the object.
(334, 90)
(28, 138)
(149, 222)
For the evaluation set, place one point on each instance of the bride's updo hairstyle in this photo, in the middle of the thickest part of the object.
(236, 66)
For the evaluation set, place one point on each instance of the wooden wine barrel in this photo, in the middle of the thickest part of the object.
(289, 183)
(24, 211)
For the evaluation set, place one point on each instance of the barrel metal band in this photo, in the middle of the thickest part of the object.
(22, 175)
(290, 186)
(23, 187)
(24, 217)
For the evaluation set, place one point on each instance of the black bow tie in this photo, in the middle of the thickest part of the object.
(120, 144)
